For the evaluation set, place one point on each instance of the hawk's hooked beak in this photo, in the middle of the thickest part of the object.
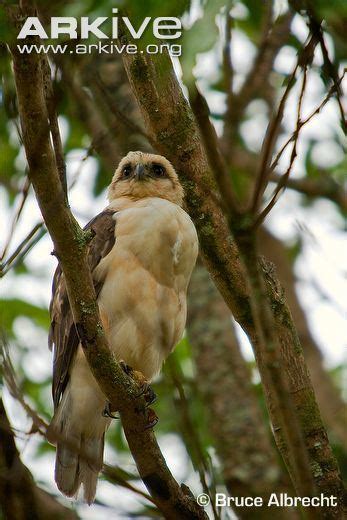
(140, 172)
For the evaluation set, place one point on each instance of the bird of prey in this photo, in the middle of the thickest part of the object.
(141, 257)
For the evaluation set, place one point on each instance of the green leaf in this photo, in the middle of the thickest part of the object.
(13, 308)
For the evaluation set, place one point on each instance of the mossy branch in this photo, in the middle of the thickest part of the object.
(170, 122)
(70, 246)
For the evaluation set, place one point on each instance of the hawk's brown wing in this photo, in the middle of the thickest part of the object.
(62, 334)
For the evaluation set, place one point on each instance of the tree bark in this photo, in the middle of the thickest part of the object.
(70, 246)
(170, 123)
(328, 396)
(249, 463)
(20, 498)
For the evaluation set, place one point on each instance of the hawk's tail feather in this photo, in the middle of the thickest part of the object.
(79, 466)
(67, 470)
(79, 454)
(90, 465)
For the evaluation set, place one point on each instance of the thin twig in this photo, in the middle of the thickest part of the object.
(23, 249)
(316, 28)
(304, 58)
(16, 217)
(272, 39)
(31, 240)
(268, 144)
(9, 376)
(305, 121)
(283, 181)
(102, 141)
(53, 120)
(228, 71)
(324, 186)
(114, 475)
(208, 133)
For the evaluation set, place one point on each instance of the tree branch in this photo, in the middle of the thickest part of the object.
(22, 249)
(316, 28)
(190, 434)
(328, 397)
(101, 138)
(228, 71)
(273, 38)
(53, 121)
(170, 122)
(133, 127)
(24, 195)
(324, 186)
(70, 244)
(20, 498)
(268, 145)
(305, 57)
(249, 463)
(302, 123)
(281, 185)
(216, 161)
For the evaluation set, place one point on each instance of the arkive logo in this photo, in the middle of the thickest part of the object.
(163, 27)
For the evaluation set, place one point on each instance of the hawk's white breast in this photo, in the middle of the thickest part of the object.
(146, 277)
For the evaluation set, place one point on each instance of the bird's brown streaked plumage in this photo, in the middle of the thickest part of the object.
(62, 331)
(141, 257)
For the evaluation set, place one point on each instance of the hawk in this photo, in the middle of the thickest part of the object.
(141, 256)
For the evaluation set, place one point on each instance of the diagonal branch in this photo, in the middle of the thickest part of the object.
(118, 113)
(268, 145)
(331, 69)
(102, 141)
(70, 245)
(228, 71)
(23, 248)
(282, 181)
(19, 495)
(24, 195)
(169, 120)
(53, 121)
(216, 161)
(273, 38)
(281, 185)
(305, 57)
(324, 186)
(302, 123)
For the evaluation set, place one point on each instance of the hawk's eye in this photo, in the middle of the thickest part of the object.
(126, 171)
(158, 170)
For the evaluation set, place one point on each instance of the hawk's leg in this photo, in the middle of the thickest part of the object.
(145, 388)
(107, 412)
(152, 419)
(148, 393)
(145, 391)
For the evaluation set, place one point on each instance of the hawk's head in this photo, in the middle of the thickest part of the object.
(141, 175)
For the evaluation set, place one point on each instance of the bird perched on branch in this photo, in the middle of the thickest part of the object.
(141, 257)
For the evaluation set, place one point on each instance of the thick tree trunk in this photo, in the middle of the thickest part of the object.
(70, 244)
(170, 123)
(330, 402)
(248, 458)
